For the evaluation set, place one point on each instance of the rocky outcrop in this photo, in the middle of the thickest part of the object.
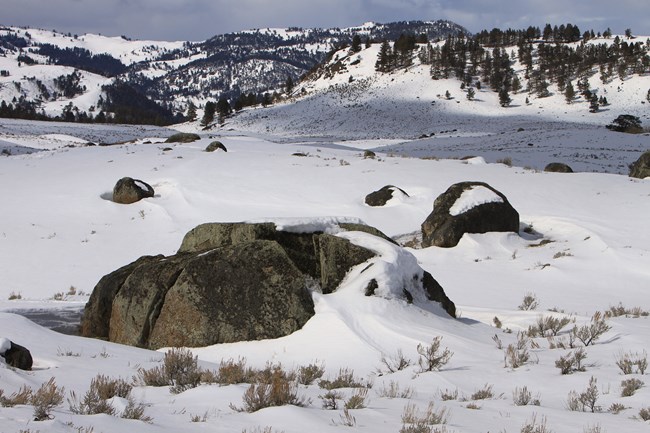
(183, 137)
(215, 145)
(383, 195)
(16, 355)
(558, 167)
(128, 190)
(228, 282)
(641, 167)
(468, 207)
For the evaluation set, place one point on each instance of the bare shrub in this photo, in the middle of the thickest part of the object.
(627, 362)
(20, 397)
(135, 411)
(586, 400)
(596, 428)
(308, 374)
(561, 342)
(358, 399)
(394, 363)
(630, 386)
(497, 341)
(532, 426)
(620, 310)
(393, 391)
(572, 362)
(644, 414)
(530, 302)
(523, 397)
(616, 408)
(548, 326)
(13, 296)
(449, 395)
(199, 418)
(516, 355)
(590, 333)
(278, 391)
(412, 415)
(483, 393)
(347, 419)
(179, 371)
(344, 379)
(95, 399)
(432, 357)
(231, 372)
(330, 399)
(46, 398)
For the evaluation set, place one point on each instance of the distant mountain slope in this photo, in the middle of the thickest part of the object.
(174, 73)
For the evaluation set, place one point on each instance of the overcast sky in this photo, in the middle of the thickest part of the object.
(200, 19)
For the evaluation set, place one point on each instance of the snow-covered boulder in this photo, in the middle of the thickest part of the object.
(468, 207)
(383, 195)
(234, 282)
(215, 145)
(128, 190)
(15, 355)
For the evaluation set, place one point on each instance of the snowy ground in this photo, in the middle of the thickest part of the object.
(589, 250)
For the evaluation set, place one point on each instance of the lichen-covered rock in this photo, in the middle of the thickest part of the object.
(641, 167)
(558, 167)
(128, 190)
(383, 195)
(228, 282)
(468, 207)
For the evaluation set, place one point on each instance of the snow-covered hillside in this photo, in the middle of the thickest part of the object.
(349, 99)
(583, 247)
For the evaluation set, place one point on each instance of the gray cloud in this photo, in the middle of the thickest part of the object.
(201, 19)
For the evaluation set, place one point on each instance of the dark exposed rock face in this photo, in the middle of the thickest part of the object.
(558, 167)
(128, 190)
(443, 229)
(18, 357)
(228, 282)
(641, 167)
(183, 137)
(382, 196)
(215, 145)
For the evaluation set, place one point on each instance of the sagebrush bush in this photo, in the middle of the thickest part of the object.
(412, 415)
(530, 302)
(586, 400)
(135, 411)
(179, 371)
(616, 408)
(630, 362)
(548, 326)
(523, 397)
(620, 310)
(394, 363)
(572, 362)
(46, 398)
(630, 386)
(590, 333)
(20, 397)
(432, 357)
(231, 372)
(644, 414)
(516, 355)
(344, 379)
(483, 393)
(449, 395)
(278, 392)
(331, 399)
(358, 399)
(532, 426)
(393, 391)
(308, 374)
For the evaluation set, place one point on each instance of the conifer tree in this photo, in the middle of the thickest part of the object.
(208, 113)
(191, 112)
(504, 97)
(569, 93)
(471, 93)
(356, 44)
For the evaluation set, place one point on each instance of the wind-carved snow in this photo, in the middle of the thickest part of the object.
(475, 196)
(328, 225)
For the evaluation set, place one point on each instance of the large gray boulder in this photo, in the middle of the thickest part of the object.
(641, 167)
(468, 207)
(228, 282)
(128, 190)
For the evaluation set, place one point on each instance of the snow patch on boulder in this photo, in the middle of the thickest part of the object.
(475, 196)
